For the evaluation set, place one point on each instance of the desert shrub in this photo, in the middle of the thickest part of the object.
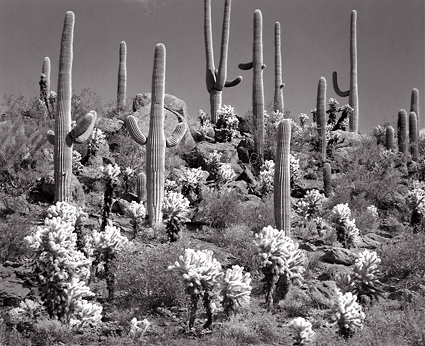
(143, 279)
(256, 214)
(219, 208)
(403, 261)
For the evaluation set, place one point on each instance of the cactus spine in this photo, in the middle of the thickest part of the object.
(402, 132)
(156, 141)
(414, 106)
(257, 86)
(282, 179)
(278, 104)
(327, 179)
(63, 138)
(413, 136)
(352, 93)
(321, 115)
(389, 138)
(122, 77)
(216, 79)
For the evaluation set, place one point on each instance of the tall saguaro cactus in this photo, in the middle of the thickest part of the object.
(389, 138)
(278, 104)
(45, 82)
(216, 79)
(122, 77)
(282, 178)
(156, 141)
(257, 65)
(321, 115)
(402, 133)
(352, 93)
(63, 137)
(414, 106)
(46, 72)
(413, 136)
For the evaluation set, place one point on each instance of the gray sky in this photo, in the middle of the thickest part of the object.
(315, 42)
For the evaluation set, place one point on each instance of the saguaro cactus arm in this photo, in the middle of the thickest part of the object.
(176, 136)
(278, 104)
(122, 77)
(82, 131)
(134, 130)
(338, 91)
(321, 115)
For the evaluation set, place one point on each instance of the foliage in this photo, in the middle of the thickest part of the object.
(226, 127)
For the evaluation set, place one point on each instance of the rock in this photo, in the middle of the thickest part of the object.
(371, 241)
(391, 225)
(323, 292)
(228, 151)
(109, 125)
(248, 177)
(12, 289)
(175, 111)
(240, 186)
(308, 247)
(339, 256)
(245, 149)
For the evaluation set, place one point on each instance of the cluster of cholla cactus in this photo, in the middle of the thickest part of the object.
(281, 261)
(138, 328)
(103, 248)
(223, 173)
(191, 181)
(203, 276)
(137, 213)
(128, 172)
(175, 211)
(416, 202)
(110, 174)
(97, 139)
(61, 269)
(227, 124)
(267, 177)
(77, 166)
(364, 280)
(303, 119)
(302, 331)
(310, 206)
(347, 314)
(205, 130)
(346, 230)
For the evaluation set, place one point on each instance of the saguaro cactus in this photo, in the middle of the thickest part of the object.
(45, 82)
(63, 138)
(414, 106)
(413, 136)
(122, 77)
(141, 187)
(216, 79)
(352, 93)
(389, 138)
(156, 141)
(282, 178)
(278, 104)
(402, 132)
(321, 115)
(327, 179)
(258, 66)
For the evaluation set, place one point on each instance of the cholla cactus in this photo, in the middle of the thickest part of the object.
(201, 272)
(28, 310)
(205, 128)
(110, 173)
(235, 289)
(170, 185)
(67, 212)
(128, 173)
(281, 261)
(191, 182)
(332, 111)
(175, 210)
(416, 201)
(272, 120)
(373, 211)
(227, 124)
(301, 331)
(138, 328)
(347, 314)
(347, 232)
(226, 173)
(366, 275)
(310, 206)
(294, 167)
(59, 265)
(97, 139)
(303, 119)
(267, 177)
(137, 213)
(77, 166)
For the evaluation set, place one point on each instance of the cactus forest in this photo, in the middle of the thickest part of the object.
(135, 223)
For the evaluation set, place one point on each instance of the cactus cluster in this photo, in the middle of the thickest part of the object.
(175, 210)
(281, 261)
(302, 332)
(347, 232)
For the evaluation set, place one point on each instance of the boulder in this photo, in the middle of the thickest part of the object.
(175, 111)
(339, 256)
